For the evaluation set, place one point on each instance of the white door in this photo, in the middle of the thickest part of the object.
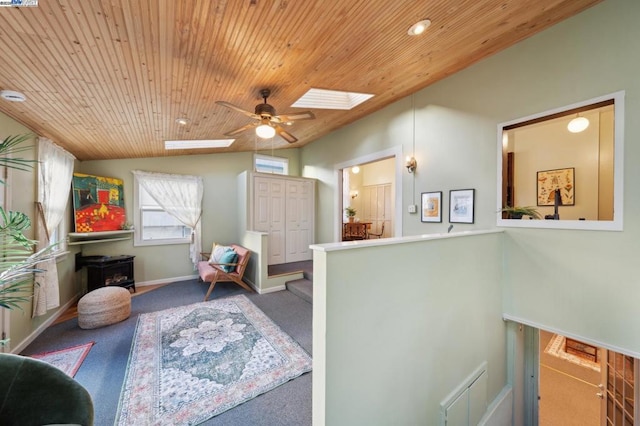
(378, 204)
(299, 220)
(269, 215)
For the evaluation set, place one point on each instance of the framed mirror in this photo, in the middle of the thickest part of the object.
(565, 166)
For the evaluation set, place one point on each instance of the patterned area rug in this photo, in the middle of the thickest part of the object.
(191, 363)
(67, 360)
(555, 347)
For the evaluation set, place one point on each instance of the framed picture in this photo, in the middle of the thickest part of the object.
(98, 203)
(550, 181)
(461, 205)
(431, 206)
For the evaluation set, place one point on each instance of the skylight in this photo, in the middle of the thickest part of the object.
(330, 99)
(197, 144)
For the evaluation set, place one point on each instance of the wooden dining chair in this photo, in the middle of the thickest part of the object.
(377, 235)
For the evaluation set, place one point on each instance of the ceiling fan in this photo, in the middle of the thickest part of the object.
(267, 123)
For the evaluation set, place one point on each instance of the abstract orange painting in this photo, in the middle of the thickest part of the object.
(98, 203)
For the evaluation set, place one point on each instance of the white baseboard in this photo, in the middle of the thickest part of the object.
(35, 333)
(272, 289)
(165, 280)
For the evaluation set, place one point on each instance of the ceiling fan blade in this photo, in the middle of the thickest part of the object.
(305, 115)
(241, 129)
(285, 135)
(238, 109)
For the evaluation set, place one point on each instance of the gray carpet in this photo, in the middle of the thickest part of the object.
(102, 372)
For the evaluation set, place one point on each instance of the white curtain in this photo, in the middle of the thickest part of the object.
(55, 171)
(181, 197)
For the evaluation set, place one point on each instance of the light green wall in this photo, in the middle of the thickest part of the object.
(221, 221)
(403, 334)
(581, 282)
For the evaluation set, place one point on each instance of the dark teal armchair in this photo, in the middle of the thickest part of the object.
(33, 392)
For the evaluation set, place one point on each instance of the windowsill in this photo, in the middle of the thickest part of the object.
(138, 243)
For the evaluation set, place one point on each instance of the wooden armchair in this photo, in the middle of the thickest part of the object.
(213, 272)
(376, 234)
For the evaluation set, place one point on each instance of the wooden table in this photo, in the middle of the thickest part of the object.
(355, 231)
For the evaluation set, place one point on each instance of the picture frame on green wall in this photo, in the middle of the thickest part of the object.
(461, 205)
(431, 207)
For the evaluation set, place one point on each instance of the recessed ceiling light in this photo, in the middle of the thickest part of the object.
(330, 99)
(12, 96)
(183, 121)
(419, 27)
(198, 144)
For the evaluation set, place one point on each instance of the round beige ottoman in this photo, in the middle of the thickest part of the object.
(104, 306)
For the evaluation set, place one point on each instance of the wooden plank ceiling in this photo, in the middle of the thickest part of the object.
(108, 78)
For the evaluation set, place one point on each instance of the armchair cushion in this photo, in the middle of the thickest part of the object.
(217, 251)
(228, 260)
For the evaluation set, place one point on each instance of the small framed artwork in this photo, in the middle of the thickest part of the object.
(550, 182)
(461, 203)
(431, 206)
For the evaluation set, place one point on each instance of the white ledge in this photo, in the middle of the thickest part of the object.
(347, 245)
(99, 234)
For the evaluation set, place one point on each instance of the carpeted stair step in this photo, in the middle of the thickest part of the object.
(302, 288)
(308, 275)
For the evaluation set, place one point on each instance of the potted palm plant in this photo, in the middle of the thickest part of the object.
(517, 212)
(18, 262)
(351, 213)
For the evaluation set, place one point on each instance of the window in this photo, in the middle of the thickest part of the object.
(275, 165)
(573, 177)
(153, 225)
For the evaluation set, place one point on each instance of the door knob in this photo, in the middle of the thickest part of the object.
(600, 395)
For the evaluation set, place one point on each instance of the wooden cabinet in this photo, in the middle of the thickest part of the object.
(284, 207)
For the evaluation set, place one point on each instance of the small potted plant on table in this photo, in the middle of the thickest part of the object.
(351, 213)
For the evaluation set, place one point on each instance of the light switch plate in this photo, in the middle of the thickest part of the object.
(412, 208)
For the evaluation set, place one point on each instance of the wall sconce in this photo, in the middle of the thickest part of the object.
(354, 194)
(411, 164)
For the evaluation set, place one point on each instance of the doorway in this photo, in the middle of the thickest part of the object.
(371, 186)
(369, 192)
(584, 385)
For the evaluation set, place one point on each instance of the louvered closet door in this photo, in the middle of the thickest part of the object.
(299, 223)
(269, 215)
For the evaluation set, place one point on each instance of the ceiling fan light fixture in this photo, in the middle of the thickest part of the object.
(578, 124)
(265, 131)
(419, 27)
